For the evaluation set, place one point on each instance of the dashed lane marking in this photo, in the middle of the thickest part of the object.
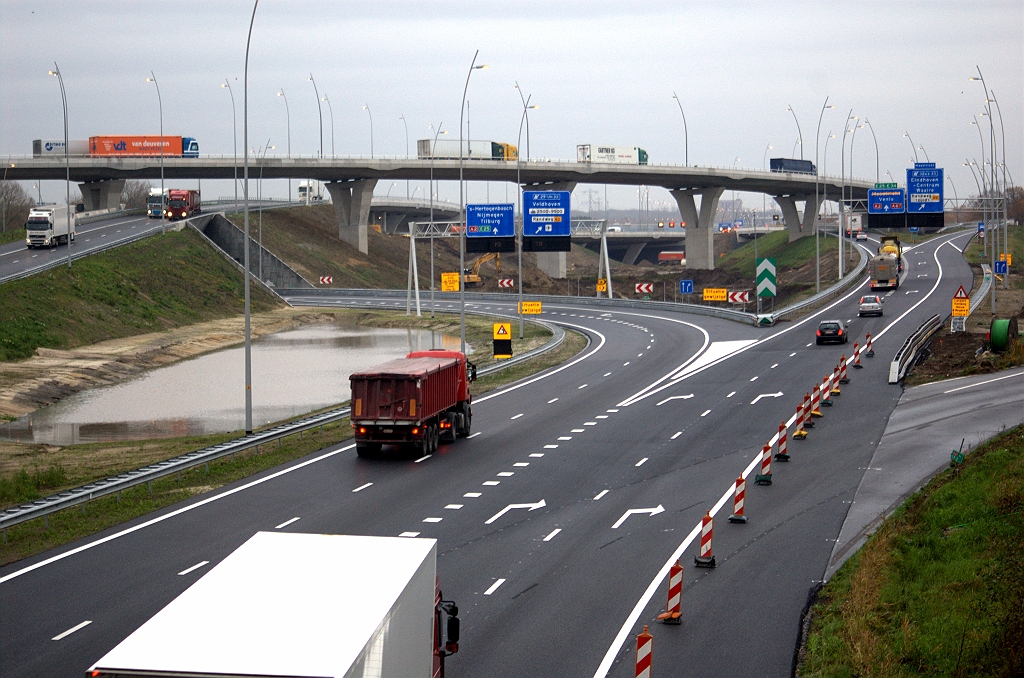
(577, 430)
(454, 507)
(362, 487)
(473, 436)
(753, 379)
(409, 534)
(731, 394)
(494, 587)
(641, 462)
(200, 564)
(600, 494)
(565, 437)
(676, 435)
(286, 523)
(76, 628)
(552, 400)
(506, 474)
(537, 455)
(473, 495)
(423, 458)
(521, 464)
(432, 520)
(706, 413)
(773, 366)
(492, 483)
(518, 415)
(553, 533)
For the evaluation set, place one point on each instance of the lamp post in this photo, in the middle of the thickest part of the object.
(67, 160)
(764, 196)
(163, 212)
(245, 192)
(875, 140)
(525, 107)
(817, 239)
(817, 206)
(406, 124)
(259, 194)
(437, 133)
(462, 205)
(330, 109)
(519, 184)
(321, 112)
(955, 197)
(801, 134)
(288, 119)
(366, 107)
(912, 146)
(234, 138)
(686, 133)
(842, 204)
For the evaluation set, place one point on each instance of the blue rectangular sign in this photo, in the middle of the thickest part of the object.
(546, 213)
(886, 201)
(685, 287)
(1002, 268)
(914, 229)
(924, 190)
(490, 221)
(981, 227)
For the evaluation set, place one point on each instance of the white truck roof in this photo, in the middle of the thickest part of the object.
(286, 604)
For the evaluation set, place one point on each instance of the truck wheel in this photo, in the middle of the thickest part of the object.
(435, 438)
(469, 423)
(368, 450)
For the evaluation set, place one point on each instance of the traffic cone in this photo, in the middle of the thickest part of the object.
(808, 420)
(835, 381)
(869, 352)
(765, 476)
(826, 392)
(856, 357)
(800, 433)
(737, 503)
(644, 645)
(673, 613)
(781, 454)
(843, 379)
(707, 530)
(816, 402)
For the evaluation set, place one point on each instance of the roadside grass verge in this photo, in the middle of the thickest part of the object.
(12, 235)
(79, 464)
(154, 284)
(775, 245)
(938, 590)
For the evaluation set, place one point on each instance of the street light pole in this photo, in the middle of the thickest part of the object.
(431, 187)
(824, 199)
(817, 205)
(330, 109)
(259, 194)
(912, 146)
(790, 109)
(366, 107)
(245, 145)
(320, 110)
(67, 160)
(686, 133)
(462, 206)
(519, 184)
(234, 138)
(875, 140)
(288, 119)
(163, 212)
(406, 124)
(842, 204)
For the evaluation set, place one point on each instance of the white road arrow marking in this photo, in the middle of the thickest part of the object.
(685, 397)
(532, 507)
(627, 514)
(766, 395)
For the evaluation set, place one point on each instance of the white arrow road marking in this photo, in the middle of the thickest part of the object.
(766, 395)
(627, 514)
(685, 397)
(532, 507)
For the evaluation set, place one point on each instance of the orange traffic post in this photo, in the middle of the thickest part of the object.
(781, 455)
(707, 530)
(816, 402)
(673, 608)
(800, 433)
(835, 381)
(765, 476)
(826, 392)
(843, 378)
(644, 645)
(868, 350)
(856, 357)
(738, 501)
(808, 420)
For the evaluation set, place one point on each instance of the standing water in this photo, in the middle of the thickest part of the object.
(293, 372)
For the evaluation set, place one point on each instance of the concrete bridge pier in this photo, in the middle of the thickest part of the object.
(799, 227)
(552, 263)
(700, 227)
(633, 253)
(351, 201)
(102, 195)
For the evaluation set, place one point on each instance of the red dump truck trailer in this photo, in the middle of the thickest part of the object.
(412, 403)
(182, 204)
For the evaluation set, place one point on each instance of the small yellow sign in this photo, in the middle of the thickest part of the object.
(961, 308)
(716, 294)
(530, 307)
(1007, 257)
(450, 282)
(602, 285)
(502, 330)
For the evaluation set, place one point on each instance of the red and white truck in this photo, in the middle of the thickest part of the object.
(182, 204)
(413, 402)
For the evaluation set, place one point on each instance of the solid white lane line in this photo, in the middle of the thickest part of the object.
(473, 436)
(518, 415)
(552, 400)
(706, 413)
(553, 533)
(565, 437)
(423, 458)
(409, 534)
(981, 383)
(494, 587)
(491, 483)
(286, 523)
(453, 507)
(676, 435)
(205, 562)
(537, 455)
(641, 462)
(362, 487)
(432, 520)
(76, 628)
(521, 464)
(600, 494)
(731, 394)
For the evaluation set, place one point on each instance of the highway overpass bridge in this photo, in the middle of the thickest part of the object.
(351, 182)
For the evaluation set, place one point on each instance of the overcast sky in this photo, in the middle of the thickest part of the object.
(601, 72)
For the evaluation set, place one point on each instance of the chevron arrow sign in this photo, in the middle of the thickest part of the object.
(766, 277)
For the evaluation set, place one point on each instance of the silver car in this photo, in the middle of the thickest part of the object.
(870, 305)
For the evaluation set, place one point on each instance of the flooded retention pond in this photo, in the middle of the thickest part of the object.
(293, 372)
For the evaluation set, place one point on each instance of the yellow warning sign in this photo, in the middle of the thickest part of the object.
(530, 307)
(1007, 257)
(716, 294)
(450, 282)
(602, 285)
(502, 330)
(961, 308)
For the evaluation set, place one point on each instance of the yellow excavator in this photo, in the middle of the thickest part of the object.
(471, 275)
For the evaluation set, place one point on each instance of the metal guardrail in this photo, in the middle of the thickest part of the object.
(986, 285)
(147, 474)
(908, 353)
(103, 215)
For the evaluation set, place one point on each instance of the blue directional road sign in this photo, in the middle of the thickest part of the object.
(914, 229)
(1002, 268)
(924, 189)
(886, 201)
(490, 221)
(981, 227)
(546, 213)
(685, 287)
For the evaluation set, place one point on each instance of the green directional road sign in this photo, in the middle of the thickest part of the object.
(766, 277)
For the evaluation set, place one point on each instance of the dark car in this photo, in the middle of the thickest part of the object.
(831, 330)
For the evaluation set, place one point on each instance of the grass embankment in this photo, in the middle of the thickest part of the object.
(975, 253)
(938, 590)
(151, 285)
(12, 235)
(74, 465)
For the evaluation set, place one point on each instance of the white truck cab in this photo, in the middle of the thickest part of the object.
(49, 227)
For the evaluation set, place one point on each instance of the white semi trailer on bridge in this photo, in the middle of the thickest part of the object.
(616, 155)
(301, 605)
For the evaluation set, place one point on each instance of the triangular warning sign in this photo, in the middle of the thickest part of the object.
(960, 294)
(502, 331)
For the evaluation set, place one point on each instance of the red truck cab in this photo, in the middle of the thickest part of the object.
(412, 403)
(182, 204)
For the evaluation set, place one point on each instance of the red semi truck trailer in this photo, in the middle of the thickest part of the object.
(182, 204)
(413, 402)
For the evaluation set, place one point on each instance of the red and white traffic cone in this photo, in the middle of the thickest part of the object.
(800, 433)
(856, 357)
(737, 503)
(781, 455)
(843, 379)
(835, 381)
(765, 476)
(644, 646)
(826, 392)
(673, 608)
(808, 419)
(707, 530)
(868, 351)
(816, 402)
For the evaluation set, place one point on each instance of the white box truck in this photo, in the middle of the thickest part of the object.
(301, 605)
(42, 148)
(49, 227)
(311, 191)
(616, 155)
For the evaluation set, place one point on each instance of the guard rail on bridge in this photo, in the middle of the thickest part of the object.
(912, 347)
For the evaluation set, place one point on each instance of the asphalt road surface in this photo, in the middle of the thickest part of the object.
(621, 451)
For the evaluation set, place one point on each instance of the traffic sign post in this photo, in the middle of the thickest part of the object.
(502, 340)
(490, 228)
(961, 303)
(765, 278)
(924, 189)
(547, 217)
(449, 282)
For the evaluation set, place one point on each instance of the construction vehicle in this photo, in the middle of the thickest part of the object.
(891, 245)
(471, 275)
(884, 272)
